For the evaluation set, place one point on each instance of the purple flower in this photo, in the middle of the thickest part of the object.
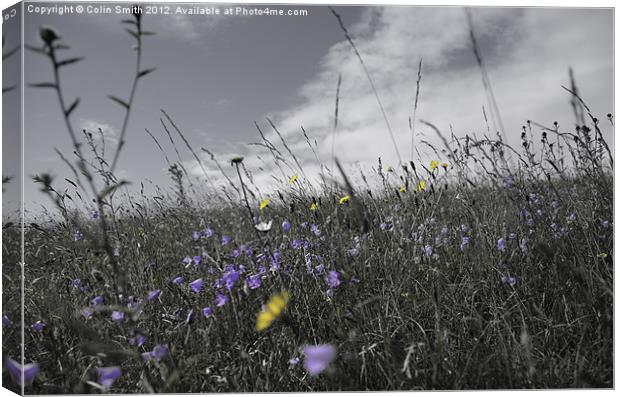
(220, 299)
(315, 230)
(153, 295)
(207, 312)
(329, 293)
(178, 280)
(196, 235)
(428, 250)
(247, 250)
(187, 261)
(226, 240)
(97, 300)
(118, 316)
(108, 375)
(465, 228)
(286, 225)
(85, 288)
(29, 371)
(465, 242)
(137, 340)
(159, 352)
(78, 236)
(6, 322)
(197, 260)
(509, 182)
(230, 278)
(133, 302)
(353, 252)
(87, 313)
(236, 253)
(320, 268)
(294, 361)
(209, 232)
(75, 283)
(333, 279)
(501, 244)
(509, 280)
(296, 244)
(94, 214)
(386, 226)
(196, 285)
(318, 358)
(254, 281)
(38, 326)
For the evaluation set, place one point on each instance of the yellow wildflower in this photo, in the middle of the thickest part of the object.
(434, 165)
(314, 206)
(272, 310)
(421, 186)
(444, 165)
(344, 199)
(402, 189)
(263, 204)
(293, 179)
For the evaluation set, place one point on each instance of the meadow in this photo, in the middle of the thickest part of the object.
(488, 267)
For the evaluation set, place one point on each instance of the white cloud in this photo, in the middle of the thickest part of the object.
(110, 133)
(527, 52)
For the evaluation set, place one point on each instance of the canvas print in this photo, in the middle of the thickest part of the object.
(208, 197)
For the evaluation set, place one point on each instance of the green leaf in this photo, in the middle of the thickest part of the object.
(38, 50)
(72, 107)
(111, 189)
(133, 33)
(43, 85)
(69, 61)
(145, 72)
(119, 101)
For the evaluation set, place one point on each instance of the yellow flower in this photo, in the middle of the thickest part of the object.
(421, 186)
(402, 189)
(444, 165)
(344, 199)
(271, 311)
(434, 165)
(263, 204)
(293, 179)
(602, 255)
(314, 206)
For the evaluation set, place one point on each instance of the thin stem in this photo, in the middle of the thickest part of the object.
(134, 86)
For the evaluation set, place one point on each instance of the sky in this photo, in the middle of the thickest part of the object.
(217, 75)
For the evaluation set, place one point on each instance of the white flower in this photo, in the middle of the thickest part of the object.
(264, 226)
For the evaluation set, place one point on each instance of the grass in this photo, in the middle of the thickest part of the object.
(412, 321)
